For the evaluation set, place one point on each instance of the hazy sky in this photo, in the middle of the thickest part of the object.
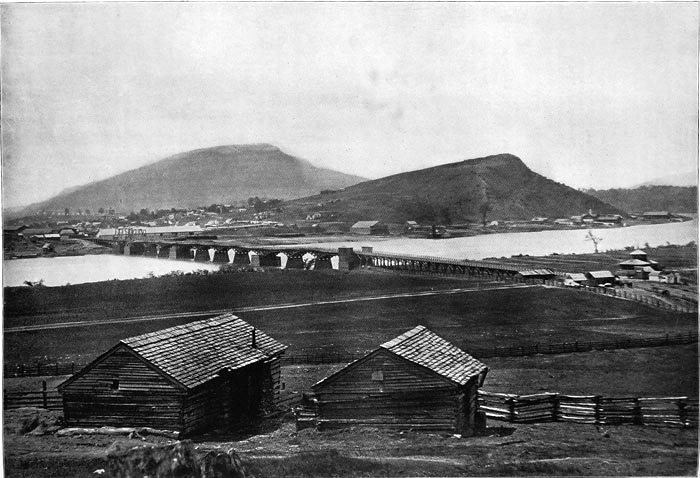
(589, 94)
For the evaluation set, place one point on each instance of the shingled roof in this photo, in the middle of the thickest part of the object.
(195, 353)
(423, 347)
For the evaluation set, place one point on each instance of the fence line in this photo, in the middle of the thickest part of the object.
(591, 409)
(624, 294)
(40, 369)
(522, 350)
(577, 346)
(44, 398)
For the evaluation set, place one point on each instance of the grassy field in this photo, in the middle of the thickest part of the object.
(483, 318)
(477, 318)
(114, 299)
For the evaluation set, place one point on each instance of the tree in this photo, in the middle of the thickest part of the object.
(101, 210)
(67, 211)
(595, 240)
(484, 209)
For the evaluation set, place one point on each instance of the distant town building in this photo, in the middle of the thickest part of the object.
(543, 274)
(588, 218)
(578, 277)
(369, 228)
(651, 215)
(639, 254)
(630, 264)
(12, 232)
(596, 278)
(609, 218)
(144, 231)
(67, 233)
(411, 226)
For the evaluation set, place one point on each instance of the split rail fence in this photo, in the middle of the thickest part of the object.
(591, 409)
(51, 369)
(632, 295)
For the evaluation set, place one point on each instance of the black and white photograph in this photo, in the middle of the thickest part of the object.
(349, 239)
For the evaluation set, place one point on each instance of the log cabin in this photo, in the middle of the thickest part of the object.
(416, 381)
(214, 373)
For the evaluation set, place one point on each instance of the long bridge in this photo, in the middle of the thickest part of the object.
(307, 256)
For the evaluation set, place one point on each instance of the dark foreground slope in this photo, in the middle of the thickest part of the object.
(490, 188)
(202, 177)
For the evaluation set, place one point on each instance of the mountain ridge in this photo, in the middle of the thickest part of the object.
(219, 174)
(496, 187)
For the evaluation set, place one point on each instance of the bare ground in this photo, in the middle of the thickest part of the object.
(504, 450)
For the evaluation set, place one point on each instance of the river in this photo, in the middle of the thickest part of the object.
(79, 269)
(56, 271)
(535, 243)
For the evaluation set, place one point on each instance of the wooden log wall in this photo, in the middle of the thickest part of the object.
(230, 401)
(379, 372)
(140, 397)
(425, 411)
(385, 391)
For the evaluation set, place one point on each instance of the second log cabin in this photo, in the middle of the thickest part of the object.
(416, 381)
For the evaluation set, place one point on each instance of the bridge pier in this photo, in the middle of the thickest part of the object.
(269, 260)
(150, 250)
(323, 263)
(218, 255)
(347, 259)
(200, 255)
(241, 257)
(294, 262)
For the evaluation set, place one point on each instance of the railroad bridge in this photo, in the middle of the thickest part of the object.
(288, 257)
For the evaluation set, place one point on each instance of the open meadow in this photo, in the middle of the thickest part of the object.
(480, 316)
(503, 316)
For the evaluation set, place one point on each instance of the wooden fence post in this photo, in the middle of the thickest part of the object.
(682, 412)
(72, 368)
(43, 394)
(637, 416)
(511, 410)
(555, 407)
(597, 409)
(38, 368)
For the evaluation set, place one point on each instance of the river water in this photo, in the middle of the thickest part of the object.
(535, 243)
(79, 269)
(93, 268)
